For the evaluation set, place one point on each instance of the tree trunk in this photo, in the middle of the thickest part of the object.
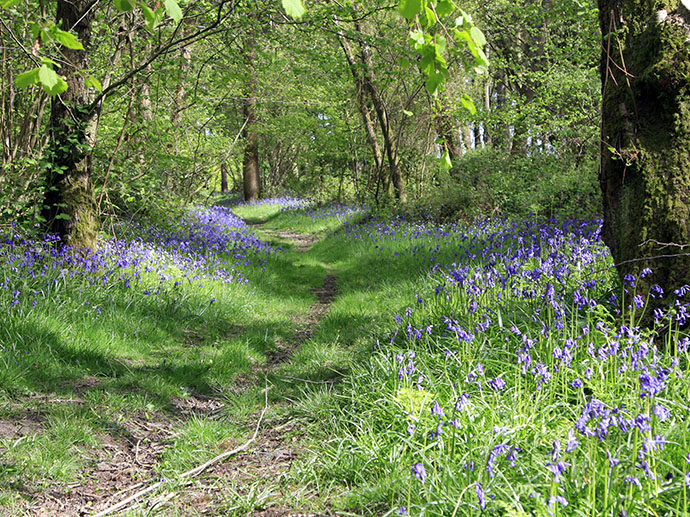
(70, 208)
(467, 136)
(252, 184)
(223, 178)
(372, 138)
(645, 135)
(446, 126)
(382, 116)
(185, 64)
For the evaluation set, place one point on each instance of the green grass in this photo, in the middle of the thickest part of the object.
(140, 354)
(340, 391)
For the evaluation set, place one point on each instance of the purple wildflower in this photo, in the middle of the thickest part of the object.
(419, 472)
(480, 495)
(497, 384)
(436, 410)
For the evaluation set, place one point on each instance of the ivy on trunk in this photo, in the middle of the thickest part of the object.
(70, 207)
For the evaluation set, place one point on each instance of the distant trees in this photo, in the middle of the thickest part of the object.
(645, 138)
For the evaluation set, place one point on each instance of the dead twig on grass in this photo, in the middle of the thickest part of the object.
(197, 470)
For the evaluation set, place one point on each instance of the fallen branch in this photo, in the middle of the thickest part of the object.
(287, 378)
(197, 470)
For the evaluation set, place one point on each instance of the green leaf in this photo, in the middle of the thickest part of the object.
(68, 39)
(149, 15)
(153, 18)
(9, 3)
(445, 160)
(468, 104)
(481, 62)
(430, 17)
(410, 8)
(408, 113)
(435, 82)
(47, 77)
(26, 78)
(444, 8)
(60, 87)
(404, 63)
(35, 29)
(417, 37)
(478, 36)
(294, 8)
(93, 81)
(440, 45)
(123, 5)
(62, 216)
(461, 36)
(173, 10)
(47, 61)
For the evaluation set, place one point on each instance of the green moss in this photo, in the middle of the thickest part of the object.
(646, 121)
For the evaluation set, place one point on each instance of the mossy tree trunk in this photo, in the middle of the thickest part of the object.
(645, 150)
(70, 207)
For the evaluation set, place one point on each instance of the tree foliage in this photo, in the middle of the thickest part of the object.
(168, 91)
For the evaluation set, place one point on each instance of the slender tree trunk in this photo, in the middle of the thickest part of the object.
(488, 105)
(185, 64)
(389, 139)
(367, 122)
(70, 203)
(467, 136)
(645, 138)
(501, 138)
(447, 128)
(252, 182)
(223, 178)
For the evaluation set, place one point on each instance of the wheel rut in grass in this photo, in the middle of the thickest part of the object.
(262, 469)
(269, 459)
(130, 451)
(325, 294)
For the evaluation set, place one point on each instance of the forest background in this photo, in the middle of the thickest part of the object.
(335, 104)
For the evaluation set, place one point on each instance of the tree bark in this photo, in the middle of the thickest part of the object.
(645, 138)
(223, 178)
(369, 128)
(70, 208)
(389, 139)
(252, 184)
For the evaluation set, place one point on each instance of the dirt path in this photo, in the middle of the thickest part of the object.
(251, 482)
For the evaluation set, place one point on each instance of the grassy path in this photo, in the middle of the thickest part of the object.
(108, 391)
(115, 419)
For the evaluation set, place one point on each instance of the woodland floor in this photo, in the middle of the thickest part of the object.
(125, 464)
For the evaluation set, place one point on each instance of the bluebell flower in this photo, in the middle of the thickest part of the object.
(556, 450)
(613, 460)
(557, 499)
(557, 468)
(494, 454)
(497, 384)
(436, 410)
(481, 496)
(661, 412)
(572, 442)
(419, 472)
